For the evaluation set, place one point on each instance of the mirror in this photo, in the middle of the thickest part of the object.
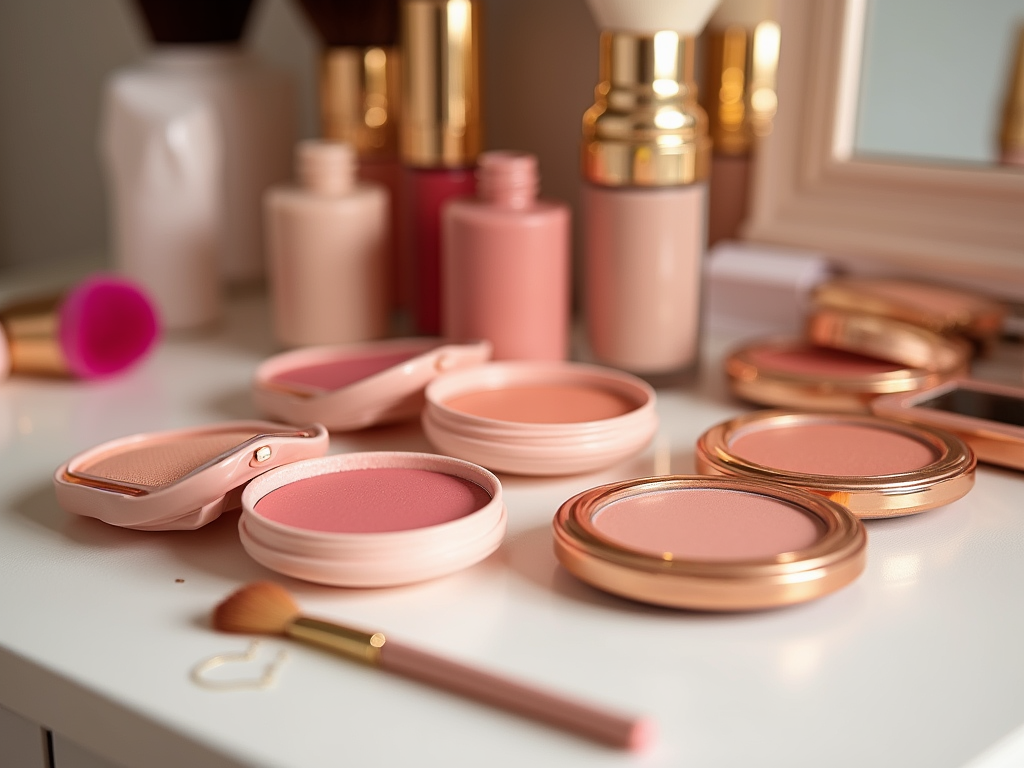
(961, 223)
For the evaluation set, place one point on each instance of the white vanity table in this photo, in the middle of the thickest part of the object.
(918, 663)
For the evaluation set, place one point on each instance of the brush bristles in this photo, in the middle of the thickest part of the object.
(261, 608)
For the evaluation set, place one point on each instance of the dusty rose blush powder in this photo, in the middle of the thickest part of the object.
(336, 374)
(707, 524)
(819, 361)
(823, 448)
(543, 404)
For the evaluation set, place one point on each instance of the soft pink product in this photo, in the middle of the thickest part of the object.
(100, 327)
(373, 519)
(327, 240)
(540, 418)
(505, 263)
(352, 386)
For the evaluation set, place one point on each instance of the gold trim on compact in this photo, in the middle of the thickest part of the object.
(835, 558)
(945, 479)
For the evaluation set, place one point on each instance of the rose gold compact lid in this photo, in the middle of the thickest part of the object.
(707, 543)
(877, 467)
(181, 479)
(887, 339)
(792, 373)
(949, 311)
(352, 386)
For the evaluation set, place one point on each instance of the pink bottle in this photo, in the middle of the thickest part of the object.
(327, 240)
(505, 263)
(440, 136)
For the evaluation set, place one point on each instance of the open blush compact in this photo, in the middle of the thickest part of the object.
(373, 519)
(874, 466)
(709, 543)
(540, 418)
(180, 479)
(354, 386)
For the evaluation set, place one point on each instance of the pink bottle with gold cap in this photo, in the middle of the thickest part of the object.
(505, 263)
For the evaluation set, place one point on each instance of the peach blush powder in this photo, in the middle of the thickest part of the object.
(373, 500)
(819, 361)
(340, 373)
(847, 450)
(543, 404)
(707, 524)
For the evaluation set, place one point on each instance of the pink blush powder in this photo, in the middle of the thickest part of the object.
(340, 373)
(709, 524)
(543, 404)
(378, 500)
(819, 361)
(848, 450)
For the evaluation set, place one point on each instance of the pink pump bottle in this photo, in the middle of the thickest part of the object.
(327, 240)
(505, 263)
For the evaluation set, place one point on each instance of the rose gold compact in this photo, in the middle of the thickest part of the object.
(793, 373)
(944, 310)
(877, 467)
(989, 417)
(709, 543)
(181, 479)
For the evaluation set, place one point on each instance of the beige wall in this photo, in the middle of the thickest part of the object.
(540, 70)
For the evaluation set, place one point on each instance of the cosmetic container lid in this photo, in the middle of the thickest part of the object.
(886, 339)
(540, 418)
(876, 467)
(944, 310)
(793, 373)
(440, 83)
(986, 415)
(709, 543)
(179, 479)
(322, 529)
(353, 386)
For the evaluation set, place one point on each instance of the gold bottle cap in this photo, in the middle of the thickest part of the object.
(1011, 137)
(645, 127)
(739, 93)
(441, 125)
(359, 98)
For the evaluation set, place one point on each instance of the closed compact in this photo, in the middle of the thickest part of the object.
(874, 466)
(353, 386)
(373, 519)
(179, 479)
(709, 543)
(540, 418)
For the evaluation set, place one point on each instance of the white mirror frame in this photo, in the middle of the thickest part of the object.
(961, 224)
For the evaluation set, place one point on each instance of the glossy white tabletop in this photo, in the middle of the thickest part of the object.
(917, 663)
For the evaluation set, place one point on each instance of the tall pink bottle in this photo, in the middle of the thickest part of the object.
(646, 157)
(327, 241)
(440, 136)
(505, 263)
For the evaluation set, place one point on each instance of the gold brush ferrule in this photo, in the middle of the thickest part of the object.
(32, 330)
(645, 127)
(440, 83)
(1011, 136)
(359, 98)
(351, 643)
(740, 96)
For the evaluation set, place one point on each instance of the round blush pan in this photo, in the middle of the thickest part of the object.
(792, 373)
(709, 543)
(539, 418)
(373, 519)
(355, 386)
(877, 467)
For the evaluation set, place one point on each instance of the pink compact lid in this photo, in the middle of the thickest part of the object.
(353, 386)
(106, 324)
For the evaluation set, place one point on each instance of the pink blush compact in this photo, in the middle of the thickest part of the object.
(540, 418)
(707, 543)
(373, 519)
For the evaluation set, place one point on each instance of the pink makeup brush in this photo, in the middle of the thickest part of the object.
(98, 328)
(267, 608)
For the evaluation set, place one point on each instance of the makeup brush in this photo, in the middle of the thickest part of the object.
(267, 608)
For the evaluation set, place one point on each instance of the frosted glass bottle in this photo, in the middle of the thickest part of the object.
(327, 241)
(505, 263)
